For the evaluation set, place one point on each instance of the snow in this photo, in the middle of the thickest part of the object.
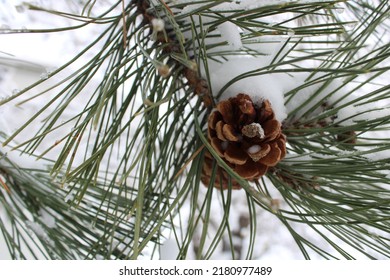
(254, 149)
(352, 114)
(158, 24)
(230, 33)
(40, 232)
(378, 156)
(169, 249)
(261, 87)
(47, 219)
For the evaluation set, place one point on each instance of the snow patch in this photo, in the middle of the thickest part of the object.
(230, 33)
(40, 232)
(254, 149)
(238, 75)
(158, 24)
(378, 156)
(48, 219)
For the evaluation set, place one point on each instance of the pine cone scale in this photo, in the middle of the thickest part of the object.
(273, 157)
(265, 113)
(248, 171)
(235, 155)
(272, 129)
(226, 110)
(219, 129)
(282, 145)
(217, 145)
(214, 118)
(230, 134)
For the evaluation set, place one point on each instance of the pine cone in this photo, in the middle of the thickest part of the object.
(246, 136)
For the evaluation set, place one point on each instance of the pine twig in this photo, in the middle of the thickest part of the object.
(171, 46)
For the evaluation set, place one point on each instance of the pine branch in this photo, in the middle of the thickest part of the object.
(41, 220)
(131, 160)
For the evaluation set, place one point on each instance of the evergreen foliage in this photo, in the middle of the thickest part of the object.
(127, 168)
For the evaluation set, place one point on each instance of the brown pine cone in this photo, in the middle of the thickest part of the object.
(246, 136)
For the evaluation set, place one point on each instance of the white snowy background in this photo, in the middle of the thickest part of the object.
(25, 58)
